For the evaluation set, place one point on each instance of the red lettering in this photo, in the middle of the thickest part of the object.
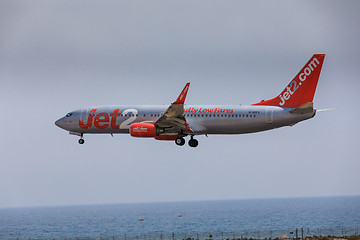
(89, 120)
(101, 118)
(113, 119)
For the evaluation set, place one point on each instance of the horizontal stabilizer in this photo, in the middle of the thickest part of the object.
(305, 108)
(324, 110)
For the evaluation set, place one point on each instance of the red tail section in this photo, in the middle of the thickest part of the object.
(302, 88)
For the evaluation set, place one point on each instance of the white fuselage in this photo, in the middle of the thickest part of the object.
(202, 119)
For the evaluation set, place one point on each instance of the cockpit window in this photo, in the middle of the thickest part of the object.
(68, 115)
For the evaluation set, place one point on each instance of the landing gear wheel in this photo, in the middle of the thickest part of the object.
(81, 141)
(193, 142)
(180, 141)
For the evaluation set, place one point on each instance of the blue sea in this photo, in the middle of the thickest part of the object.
(221, 219)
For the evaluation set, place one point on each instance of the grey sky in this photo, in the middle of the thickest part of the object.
(57, 56)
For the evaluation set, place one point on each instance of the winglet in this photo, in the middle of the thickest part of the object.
(182, 96)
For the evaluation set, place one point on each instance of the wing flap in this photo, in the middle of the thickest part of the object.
(173, 118)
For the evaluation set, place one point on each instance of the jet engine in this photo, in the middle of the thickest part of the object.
(144, 130)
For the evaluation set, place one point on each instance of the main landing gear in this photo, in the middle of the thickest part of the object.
(193, 142)
(180, 141)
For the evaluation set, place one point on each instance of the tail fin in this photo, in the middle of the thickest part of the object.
(302, 88)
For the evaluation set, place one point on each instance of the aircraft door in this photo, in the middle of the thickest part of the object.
(84, 115)
(269, 116)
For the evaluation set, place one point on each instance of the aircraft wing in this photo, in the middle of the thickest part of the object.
(173, 119)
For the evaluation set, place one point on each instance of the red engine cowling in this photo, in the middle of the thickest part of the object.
(144, 130)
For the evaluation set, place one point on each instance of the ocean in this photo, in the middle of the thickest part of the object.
(222, 219)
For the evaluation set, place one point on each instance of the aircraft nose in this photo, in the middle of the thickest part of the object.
(60, 123)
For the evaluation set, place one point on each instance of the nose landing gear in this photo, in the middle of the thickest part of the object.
(81, 135)
(81, 140)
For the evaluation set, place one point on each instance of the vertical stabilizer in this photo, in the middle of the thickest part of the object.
(302, 88)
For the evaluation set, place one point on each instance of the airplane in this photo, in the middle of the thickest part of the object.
(294, 104)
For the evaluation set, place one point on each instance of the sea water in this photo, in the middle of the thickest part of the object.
(222, 219)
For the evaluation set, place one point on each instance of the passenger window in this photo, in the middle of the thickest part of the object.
(205, 115)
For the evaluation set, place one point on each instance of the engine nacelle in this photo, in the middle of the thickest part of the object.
(144, 130)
